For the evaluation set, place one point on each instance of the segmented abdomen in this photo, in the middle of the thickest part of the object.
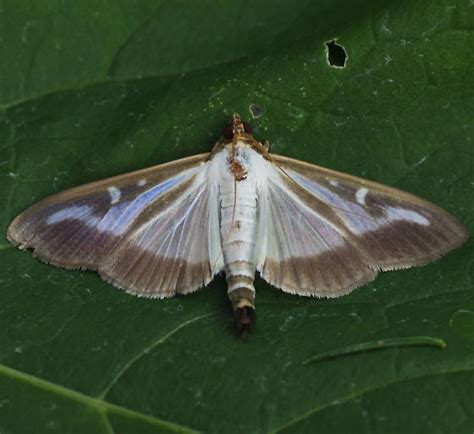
(238, 233)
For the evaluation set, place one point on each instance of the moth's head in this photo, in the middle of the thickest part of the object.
(237, 129)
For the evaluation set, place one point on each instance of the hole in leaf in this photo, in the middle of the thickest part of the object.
(336, 54)
(256, 110)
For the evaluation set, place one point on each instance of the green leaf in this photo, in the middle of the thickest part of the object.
(93, 89)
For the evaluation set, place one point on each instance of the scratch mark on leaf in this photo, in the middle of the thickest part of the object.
(378, 345)
(400, 143)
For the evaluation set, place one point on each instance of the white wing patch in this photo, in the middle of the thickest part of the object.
(361, 194)
(115, 194)
(78, 212)
(401, 214)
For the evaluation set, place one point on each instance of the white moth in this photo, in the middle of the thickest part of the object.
(171, 228)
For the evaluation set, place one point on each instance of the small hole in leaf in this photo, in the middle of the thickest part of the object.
(256, 110)
(336, 54)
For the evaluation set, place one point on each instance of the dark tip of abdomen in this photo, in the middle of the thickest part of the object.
(244, 320)
(243, 305)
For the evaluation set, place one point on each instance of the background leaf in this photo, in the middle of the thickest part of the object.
(93, 89)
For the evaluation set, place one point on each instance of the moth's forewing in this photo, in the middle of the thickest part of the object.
(304, 253)
(333, 232)
(134, 229)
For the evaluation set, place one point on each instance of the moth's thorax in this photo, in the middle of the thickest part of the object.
(239, 144)
(239, 163)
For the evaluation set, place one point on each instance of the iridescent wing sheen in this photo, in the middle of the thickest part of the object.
(324, 233)
(153, 232)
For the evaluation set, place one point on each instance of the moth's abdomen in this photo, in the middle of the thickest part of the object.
(238, 232)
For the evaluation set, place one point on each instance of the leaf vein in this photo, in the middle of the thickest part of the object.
(101, 406)
(360, 393)
(147, 350)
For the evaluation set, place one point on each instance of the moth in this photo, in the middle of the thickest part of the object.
(171, 228)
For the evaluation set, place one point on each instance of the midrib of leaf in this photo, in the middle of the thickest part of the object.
(98, 403)
(101, 406)
(82, 85)
(355, 395)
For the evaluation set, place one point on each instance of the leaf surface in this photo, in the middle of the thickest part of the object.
(93, 90)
